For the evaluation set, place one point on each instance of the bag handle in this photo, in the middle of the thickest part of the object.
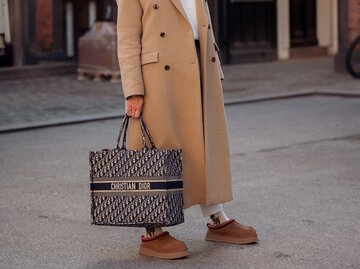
(123, 133)
(123, 127)
(144, 127)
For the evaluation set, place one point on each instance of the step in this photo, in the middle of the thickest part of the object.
(308, 52)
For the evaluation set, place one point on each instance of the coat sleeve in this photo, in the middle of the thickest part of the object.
(129, 32)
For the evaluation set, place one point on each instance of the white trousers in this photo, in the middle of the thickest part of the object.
(208, 210)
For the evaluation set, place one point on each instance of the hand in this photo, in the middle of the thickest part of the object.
(134, 106)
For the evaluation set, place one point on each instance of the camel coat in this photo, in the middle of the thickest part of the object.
(158, 59)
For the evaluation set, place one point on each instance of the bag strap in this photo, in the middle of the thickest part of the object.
(123, 128)
(123, 133)
(143, 125)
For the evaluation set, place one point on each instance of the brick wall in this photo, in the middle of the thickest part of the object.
(354, 19)
(44, 24)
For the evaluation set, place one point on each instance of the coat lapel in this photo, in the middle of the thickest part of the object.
(201, 14)
(200, 11)
(202, 22)
(203, 30)
(180, 8)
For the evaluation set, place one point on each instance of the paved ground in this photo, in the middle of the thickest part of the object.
(296, 178)
(60, 98)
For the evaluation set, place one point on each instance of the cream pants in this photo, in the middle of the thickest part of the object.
(208, 210)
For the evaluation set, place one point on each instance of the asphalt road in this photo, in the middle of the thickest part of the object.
(296, 178)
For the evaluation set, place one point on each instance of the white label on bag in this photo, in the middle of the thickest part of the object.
(123, 186)
(144, 186)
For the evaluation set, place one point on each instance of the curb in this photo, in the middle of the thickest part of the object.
(292, 95)
(338, 93)
(61, 121)
(263, 98)
(37, 71)
(120, 114)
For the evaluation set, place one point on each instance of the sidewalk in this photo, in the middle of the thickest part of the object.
(63, 99)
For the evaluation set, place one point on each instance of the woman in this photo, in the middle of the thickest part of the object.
(171, 74)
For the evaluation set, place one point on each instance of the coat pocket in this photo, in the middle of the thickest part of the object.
(149, 57)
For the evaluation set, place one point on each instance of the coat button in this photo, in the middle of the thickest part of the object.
(166, 67)
(162, 34)
(209, 26)
(213, 59)
(156, 6)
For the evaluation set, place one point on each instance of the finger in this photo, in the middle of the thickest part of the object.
(137, 113)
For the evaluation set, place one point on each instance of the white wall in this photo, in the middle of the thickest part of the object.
(327, 22)
(327, 26)
(4, 20)
(334, 38)
(92, 13)
(283, 29)
(70, 42)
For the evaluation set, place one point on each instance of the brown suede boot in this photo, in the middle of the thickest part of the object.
(163, 246)
(231, 232)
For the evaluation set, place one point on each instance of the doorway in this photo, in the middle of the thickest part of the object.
(250, 33)
(303, 23)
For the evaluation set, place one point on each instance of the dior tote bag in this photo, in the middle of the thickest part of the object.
(141, 188)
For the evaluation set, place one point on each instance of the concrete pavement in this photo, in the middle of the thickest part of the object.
(63, 99)
(295, 166)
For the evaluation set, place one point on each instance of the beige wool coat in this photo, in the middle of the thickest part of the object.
(158, 59)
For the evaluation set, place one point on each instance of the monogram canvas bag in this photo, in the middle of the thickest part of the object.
(142, 188)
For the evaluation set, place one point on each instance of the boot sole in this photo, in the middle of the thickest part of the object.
(233, 240)
(161, 255)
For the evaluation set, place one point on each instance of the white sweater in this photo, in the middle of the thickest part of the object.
(190, 10)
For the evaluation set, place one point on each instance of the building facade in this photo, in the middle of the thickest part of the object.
(262, 30)
(48, 30)
(246, 30)
(349, 29)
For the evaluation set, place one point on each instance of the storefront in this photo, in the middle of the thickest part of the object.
(246, 30)
(265, 30)
(49, 30)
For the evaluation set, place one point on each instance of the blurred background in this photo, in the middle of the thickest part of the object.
(41, 31)
(53, 53)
